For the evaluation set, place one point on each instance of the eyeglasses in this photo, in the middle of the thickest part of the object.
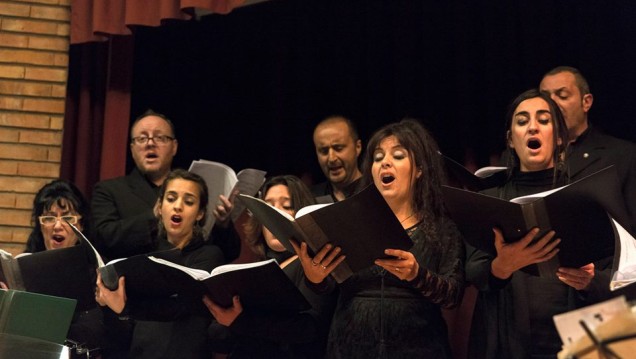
(51, 220)
(158, 140)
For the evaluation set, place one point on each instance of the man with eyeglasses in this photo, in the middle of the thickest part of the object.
(123, 208)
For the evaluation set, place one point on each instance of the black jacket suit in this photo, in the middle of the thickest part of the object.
(123, 219)
(593, 151)
(124, 223)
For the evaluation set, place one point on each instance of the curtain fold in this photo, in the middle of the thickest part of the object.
(96, 20)
(97, 115)
(97, 111)
(84, 114)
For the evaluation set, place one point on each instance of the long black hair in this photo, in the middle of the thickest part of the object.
(424, 155)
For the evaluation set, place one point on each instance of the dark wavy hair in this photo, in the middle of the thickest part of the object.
(300, 196)
(423, 154)
(65, 195)
(299, 193)
(203, 198)
(560, 131)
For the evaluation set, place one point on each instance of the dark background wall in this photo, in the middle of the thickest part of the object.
(247, 89)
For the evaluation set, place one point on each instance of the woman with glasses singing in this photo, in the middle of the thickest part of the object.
(55, 204)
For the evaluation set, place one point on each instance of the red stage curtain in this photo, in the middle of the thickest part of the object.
(96, 20)
(97, 112)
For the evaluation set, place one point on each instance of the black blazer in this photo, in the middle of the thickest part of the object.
(122, 213)
(593, 151)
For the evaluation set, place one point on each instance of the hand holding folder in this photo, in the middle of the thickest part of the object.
(580, 213)
(260, 284)
(363, 226)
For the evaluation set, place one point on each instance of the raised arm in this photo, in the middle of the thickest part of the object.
(223, 208)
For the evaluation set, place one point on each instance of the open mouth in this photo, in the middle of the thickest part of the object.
(58, 238)
(151, 155)
(387, 178)
(176, 219)
(534, 144)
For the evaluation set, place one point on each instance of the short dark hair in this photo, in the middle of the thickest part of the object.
(150, 112)
(353, 131)
(65, 195)
(581, 82)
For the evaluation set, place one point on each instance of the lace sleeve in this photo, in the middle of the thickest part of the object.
(441, 273)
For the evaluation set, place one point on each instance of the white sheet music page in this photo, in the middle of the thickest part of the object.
(625, 274)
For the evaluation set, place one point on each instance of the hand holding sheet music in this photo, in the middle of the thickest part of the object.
(577, 212)
(260, 284)
(222, 180)
(511, 257)
(363, 226)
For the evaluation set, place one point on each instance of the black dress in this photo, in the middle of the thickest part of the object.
(175, 327)
(381, 316)
(513, 318)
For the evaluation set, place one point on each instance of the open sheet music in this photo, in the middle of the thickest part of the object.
(363, 226)
(580, 213)
(63, 272)
(261, 285)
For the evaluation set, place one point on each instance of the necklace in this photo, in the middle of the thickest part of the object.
(412, 214)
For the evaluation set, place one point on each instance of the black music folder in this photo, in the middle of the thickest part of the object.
(580, 213)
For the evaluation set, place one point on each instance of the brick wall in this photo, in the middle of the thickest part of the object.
(34, 42)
